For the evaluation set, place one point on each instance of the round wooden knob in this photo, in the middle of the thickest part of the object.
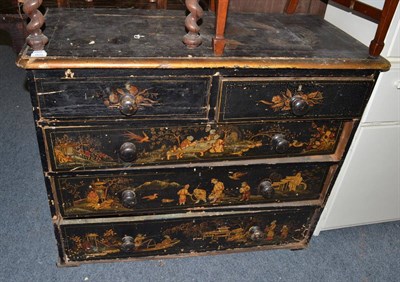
(127, 244)
(128, 199)
(128, 105)
(128, 152)
(265, 189)
(255, 233)
(280, 144)
(299, 106)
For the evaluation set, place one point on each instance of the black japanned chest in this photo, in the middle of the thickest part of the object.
(151, 149)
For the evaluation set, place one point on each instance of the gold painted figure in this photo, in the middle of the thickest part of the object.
(200, 195)
(183, 193)
(270, 230)
(138, 241)
(218, 146)
(218, 191)
(187, 142)
(291, 183)
(284, 232)
(245, 192)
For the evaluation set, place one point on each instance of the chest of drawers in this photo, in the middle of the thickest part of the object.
(150, 149)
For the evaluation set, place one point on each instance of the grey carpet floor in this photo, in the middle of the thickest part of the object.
(28, 248)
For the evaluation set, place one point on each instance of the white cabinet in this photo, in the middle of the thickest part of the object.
(367, 189)
(384, 104)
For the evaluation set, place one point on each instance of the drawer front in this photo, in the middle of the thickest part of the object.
(163, 97)
(255, 98)
(110, 147)
(114, 240)
(168, 190)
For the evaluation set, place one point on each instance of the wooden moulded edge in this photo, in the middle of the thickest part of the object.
(27, 62)
(233, 211)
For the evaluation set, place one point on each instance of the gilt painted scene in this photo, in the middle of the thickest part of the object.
(75, 150)
(182, 189)
(280, 228)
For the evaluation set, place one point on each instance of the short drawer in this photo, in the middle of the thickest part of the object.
(147, 236)
(162, 97)
(290, 97)
(172, 190)
(83, 148)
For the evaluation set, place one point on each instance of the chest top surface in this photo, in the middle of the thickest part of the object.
(111, 38)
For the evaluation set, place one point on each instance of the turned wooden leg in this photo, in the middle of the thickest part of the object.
(36, 39)
(62, 3)
(212, 5)
(193, 39)
(377, 44)
(291, 6)
(161, 4)
(219, 40)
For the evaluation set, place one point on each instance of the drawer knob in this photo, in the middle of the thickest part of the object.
(128, 105)
(128, 244)
(265, 189)
(255, 233)
(128, 152)
(128, 199)
(299, 106)
(280, 144)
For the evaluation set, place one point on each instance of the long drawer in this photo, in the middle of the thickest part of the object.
(157, 191)
(83, 148)
(258, 98)
(148, 236)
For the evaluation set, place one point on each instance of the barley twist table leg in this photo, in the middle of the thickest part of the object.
(193, 38)
(36, 38)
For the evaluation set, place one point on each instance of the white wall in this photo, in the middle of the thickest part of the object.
(367, 189)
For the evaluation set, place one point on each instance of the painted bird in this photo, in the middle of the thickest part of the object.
(167, 200)
(151, 197)
(237, 175)
(140, 139)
